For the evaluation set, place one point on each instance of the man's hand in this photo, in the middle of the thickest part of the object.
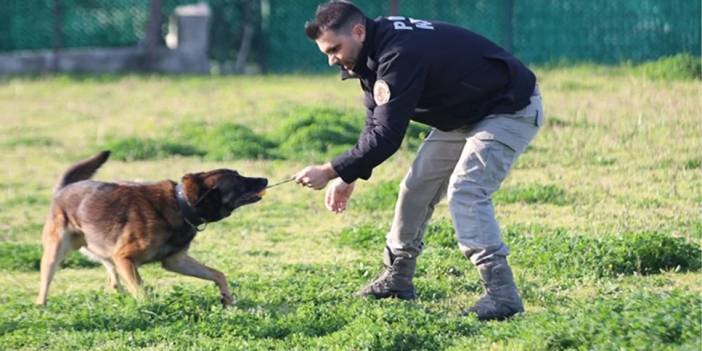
(316, 177)
(338, 194)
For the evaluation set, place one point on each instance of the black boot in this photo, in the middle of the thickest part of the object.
(501, 299)
(394, 281)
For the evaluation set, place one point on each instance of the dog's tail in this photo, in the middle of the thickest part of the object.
(83, 170)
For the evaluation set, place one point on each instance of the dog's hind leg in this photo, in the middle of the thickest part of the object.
(112, 277)
(56, 243)
(184, 264)
(127, 270)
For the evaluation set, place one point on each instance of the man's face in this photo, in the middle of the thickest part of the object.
(342, 48)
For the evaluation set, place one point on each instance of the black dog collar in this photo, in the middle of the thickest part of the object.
(189, 215)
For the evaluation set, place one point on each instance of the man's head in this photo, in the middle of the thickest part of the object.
(339, 30)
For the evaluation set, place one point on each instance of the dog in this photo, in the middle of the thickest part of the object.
(124, 225)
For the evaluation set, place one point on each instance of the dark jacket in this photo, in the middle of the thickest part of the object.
(438, 74)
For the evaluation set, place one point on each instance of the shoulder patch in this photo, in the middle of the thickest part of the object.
(381, 92)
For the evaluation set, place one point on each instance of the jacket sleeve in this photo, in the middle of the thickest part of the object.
(386, 123)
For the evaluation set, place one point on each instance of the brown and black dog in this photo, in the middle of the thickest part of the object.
(124, 225)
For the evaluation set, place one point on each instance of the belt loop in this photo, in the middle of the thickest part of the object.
(536, 119)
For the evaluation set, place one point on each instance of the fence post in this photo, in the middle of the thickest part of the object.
(152, 31)
(394, 7)
(56, 35)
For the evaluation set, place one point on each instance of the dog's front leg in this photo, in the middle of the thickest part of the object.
(184, 264)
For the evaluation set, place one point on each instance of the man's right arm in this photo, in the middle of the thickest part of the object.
(400, 80)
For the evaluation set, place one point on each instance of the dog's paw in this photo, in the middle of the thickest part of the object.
(227, 300)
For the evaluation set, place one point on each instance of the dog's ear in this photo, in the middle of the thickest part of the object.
(192, 186)
(206, 200)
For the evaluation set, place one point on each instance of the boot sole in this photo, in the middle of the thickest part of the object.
(492, 317)
(391, 295)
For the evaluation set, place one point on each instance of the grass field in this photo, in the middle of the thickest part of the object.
(603, 215)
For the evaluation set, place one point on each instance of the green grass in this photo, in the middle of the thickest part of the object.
(559, 254)
(27, 257)
(381, 197)
(568, 255)
(30, 141)
(601, 215)
(530, 194)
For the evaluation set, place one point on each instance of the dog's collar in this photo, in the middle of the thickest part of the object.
(189, 215)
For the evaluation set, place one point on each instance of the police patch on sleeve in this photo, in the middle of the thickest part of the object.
(381, 92)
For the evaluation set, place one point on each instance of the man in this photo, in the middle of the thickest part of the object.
(485, 108)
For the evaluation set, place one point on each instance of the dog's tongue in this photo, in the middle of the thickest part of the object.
(261, 193)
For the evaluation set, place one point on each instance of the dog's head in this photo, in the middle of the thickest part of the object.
(215, 194)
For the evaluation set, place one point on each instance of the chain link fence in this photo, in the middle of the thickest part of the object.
(537, 31)
(43, 24)
(47, 24)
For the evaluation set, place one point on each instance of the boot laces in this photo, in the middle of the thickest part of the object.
(384, 274)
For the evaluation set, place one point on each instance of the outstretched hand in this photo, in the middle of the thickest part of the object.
(337, 196)
(315, 177)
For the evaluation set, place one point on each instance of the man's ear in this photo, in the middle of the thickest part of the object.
(192, 186)
(359, 32)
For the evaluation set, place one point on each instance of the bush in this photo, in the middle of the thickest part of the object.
(693, 163)
(678, 67)
(132, 149)
(315, 132)
(226, 141)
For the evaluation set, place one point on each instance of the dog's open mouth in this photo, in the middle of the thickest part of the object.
(250, 198)
(253, 196)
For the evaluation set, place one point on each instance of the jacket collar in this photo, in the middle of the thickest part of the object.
(365, 64)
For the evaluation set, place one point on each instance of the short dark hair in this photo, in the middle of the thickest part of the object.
(336, 15)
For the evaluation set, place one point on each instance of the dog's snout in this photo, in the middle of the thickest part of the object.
(256, 183)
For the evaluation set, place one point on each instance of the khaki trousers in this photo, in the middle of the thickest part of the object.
(466, 165)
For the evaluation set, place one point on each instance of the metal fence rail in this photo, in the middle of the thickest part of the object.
(538, 31)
